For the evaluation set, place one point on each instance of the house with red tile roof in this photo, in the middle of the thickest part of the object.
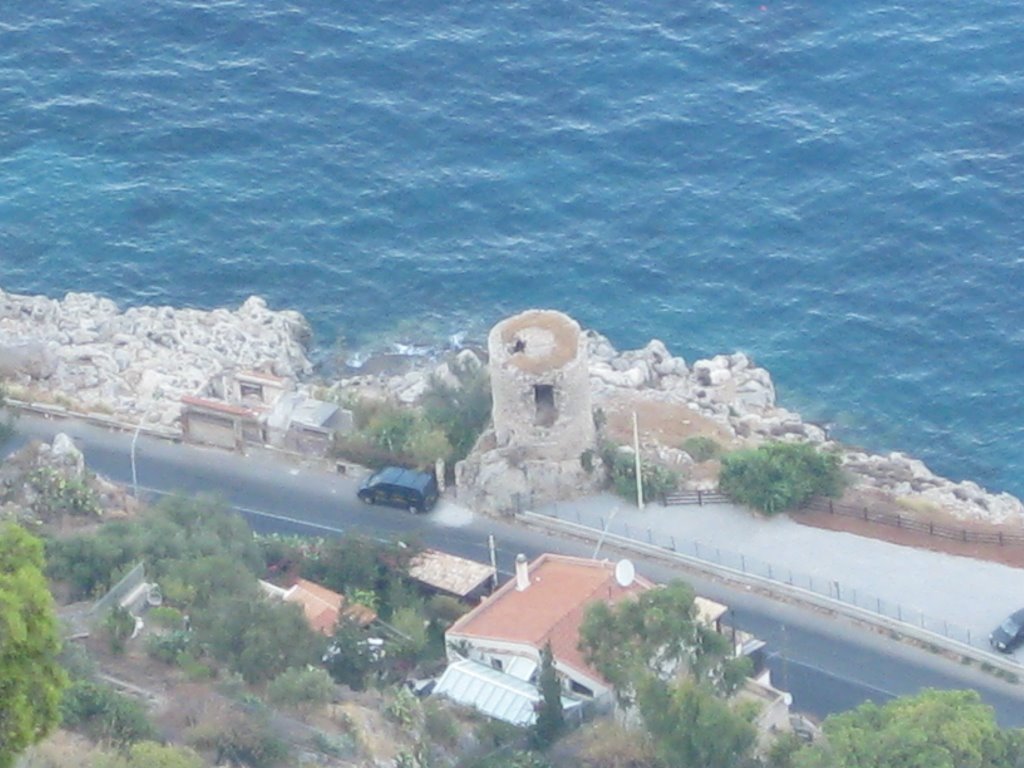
(544, 603)
(322, 607)
(494, 650)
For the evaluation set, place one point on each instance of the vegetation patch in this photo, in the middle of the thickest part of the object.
(621, 467)
(778, 477)
(702, 448)
(446, 426)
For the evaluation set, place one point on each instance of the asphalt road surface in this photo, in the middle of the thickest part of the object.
(827, 663)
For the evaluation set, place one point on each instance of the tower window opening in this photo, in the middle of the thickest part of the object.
(544, 399)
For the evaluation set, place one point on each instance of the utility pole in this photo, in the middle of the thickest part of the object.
(135, 475)
(494, 561)
(135, 439)
(639, 468)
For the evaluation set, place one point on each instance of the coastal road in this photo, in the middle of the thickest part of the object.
(827, 663)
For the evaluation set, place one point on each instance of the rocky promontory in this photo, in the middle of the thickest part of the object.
(85, 352)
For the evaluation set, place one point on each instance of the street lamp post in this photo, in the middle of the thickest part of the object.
(604, 531)
(135, 439)
(135, 476)
(639, 466)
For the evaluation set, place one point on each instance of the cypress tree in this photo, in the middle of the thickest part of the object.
(550, 717)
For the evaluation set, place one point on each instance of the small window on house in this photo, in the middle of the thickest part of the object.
(496, 663)
(544, 399)
(582, 690)
(250, 390)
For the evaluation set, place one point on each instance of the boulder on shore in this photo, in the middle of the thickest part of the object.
(134, 364)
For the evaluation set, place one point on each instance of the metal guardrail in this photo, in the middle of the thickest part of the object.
(50, 410)
(817, 591)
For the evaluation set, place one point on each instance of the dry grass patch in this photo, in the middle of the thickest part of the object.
(605, 744)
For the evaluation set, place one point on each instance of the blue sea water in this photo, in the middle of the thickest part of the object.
(834, 188)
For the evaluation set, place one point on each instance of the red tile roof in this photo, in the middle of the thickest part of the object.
(218, 405)
(323, 606)
(551, 609)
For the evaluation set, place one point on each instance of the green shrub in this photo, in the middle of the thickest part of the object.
(587, 460)
(403, 708)
(57, 494)
(103, 714)
(447, 426)
(361, 450)
(74, 658)
(440, 724)
(195, 670)
(461, 412)
(507, 758)
(118, 627)
(240, 738)
(168, 648)
(657, 480)
(413, 627)
(777, 477)
(701, 448)
(166, 617)
(301, 689)
(445, 610)
(334, 744)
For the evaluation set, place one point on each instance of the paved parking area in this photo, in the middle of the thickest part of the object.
(960, 594)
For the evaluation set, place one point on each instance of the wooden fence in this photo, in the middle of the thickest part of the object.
(699, 498)
(910, 524)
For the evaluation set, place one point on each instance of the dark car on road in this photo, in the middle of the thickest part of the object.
(1009, 634)
(403, 488)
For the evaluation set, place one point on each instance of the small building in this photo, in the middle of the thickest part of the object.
(303, 424)
(249, 387)
(494, 650)
(452, 575)
(239, 408)
(322, 607)
(545, 603)
(222, 424)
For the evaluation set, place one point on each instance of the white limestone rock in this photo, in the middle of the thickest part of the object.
(84, 348)
(66, 453)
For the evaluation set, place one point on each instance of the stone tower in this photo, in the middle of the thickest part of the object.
(540, 386)
(542, 420)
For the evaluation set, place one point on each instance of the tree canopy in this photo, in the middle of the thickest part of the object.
(692, 728)
(934, 729)
(550, 716)
(258, 638)
(186, 542)
(656, 634)
(777, 477)
(31, 679)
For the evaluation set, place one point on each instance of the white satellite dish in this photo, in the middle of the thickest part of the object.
(624, 572)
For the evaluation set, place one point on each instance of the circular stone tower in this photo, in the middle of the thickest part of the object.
(541, 386)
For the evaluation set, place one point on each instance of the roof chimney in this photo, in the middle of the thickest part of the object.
(522, 573)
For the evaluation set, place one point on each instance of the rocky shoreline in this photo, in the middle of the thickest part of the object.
(136, 364)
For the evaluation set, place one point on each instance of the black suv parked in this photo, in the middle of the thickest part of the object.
(1009, 634)
(404, 488)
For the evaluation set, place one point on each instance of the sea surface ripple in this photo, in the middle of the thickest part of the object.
(834, 188)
